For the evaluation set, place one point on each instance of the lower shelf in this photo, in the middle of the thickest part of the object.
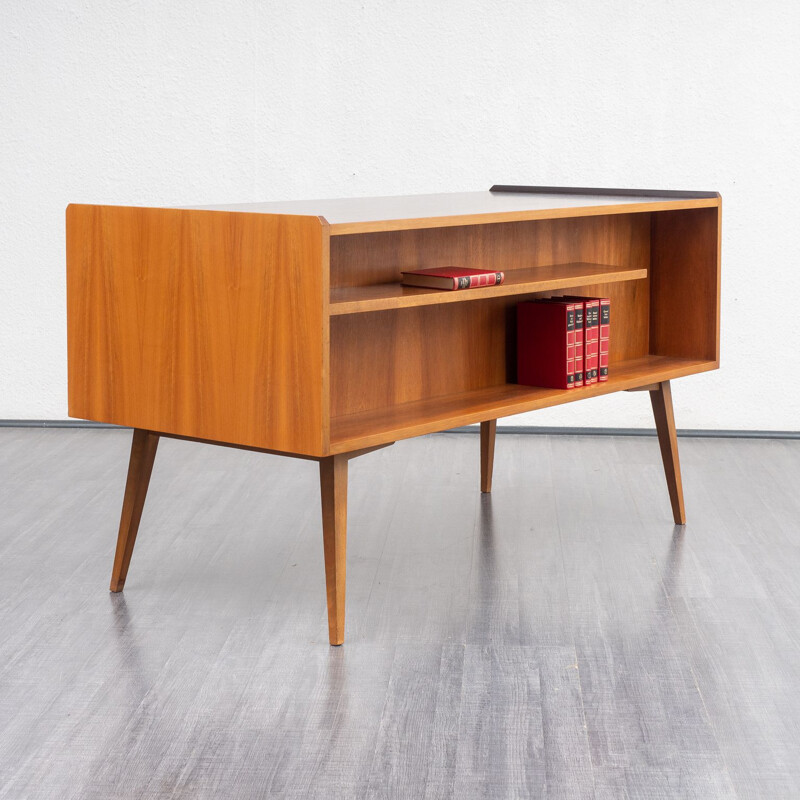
(379, 426)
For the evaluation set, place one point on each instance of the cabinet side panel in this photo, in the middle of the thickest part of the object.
(200, 323)
(685, 283)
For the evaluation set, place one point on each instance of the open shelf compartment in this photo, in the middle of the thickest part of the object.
(379, 426)
(380, 297)
(424, 360)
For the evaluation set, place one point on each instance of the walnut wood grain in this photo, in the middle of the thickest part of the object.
(333, 489)
(488, 436)
(661, 399)
(140, 467)
(199, 323)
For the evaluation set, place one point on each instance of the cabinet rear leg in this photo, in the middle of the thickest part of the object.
(140, 467)
(488, 434)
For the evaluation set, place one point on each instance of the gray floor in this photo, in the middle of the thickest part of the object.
(558, 639)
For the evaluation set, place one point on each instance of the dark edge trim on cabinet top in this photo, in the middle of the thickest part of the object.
(666, 193)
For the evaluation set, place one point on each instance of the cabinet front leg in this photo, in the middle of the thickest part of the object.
(661, 399)
(488, 433)
(140, 467)
(333, 485)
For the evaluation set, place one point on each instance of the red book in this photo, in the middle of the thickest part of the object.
(546, 343)
(574, 336)
(591, 343)
(579, 341)
(592, 338)
(602, 325)
(605, 336)
(451, 278)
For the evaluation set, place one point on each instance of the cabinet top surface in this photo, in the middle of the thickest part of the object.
(365, 214)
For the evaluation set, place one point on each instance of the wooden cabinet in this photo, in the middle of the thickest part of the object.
(283, 326)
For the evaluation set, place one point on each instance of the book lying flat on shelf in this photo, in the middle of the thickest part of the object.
(451, 278)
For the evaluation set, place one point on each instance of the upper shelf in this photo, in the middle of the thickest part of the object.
(379, 297)
(502, 204)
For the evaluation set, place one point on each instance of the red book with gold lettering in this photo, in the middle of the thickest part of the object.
(579, 344)
(451, 278)
(605, 336)
(546, 343)
(591, 315)
(591, 338)
(599, 310)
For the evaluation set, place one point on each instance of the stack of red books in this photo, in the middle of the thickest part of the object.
(562, 342)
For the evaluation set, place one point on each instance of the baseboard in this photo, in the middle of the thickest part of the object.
(56, 423)
(686, 433)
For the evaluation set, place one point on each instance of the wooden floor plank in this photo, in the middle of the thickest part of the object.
(501, 741)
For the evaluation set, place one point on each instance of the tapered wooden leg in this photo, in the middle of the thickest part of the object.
(140, 467)
(333, 485)
(661, 398)
(488, 434)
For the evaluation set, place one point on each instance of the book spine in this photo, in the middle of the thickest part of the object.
(476, 281)
(571, 346)
(605, 335)
(592, 322)
(578, 338)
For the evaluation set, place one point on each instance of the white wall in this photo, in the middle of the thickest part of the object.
(105, 101)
